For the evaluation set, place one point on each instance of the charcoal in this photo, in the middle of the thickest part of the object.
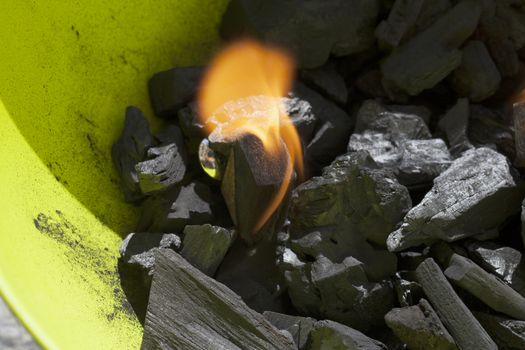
(504, 262)
(369, 83)
(332, 335)
(170, 134)
(337, 27)
(457, 318)
(519, 129)
(165, 167)
(419, 327)
(333, 131)
(298, 327)
(381, 147)
(189, 310)
(327, 81)
(170, 90)
(432, 55)
(488, 127)
(130, 149)
(507, 333)
(302, 116)
(421, 111)
(477, 77)
(431, 11)
(455, 126)
(400, 24)
(136, 264)
(408, 291)
(523, 222)
(464, 273)
(352, 193)
(410, 260)
(189, 121)
(204, 246)
(172, 210)
(476, 194)
(514, 15)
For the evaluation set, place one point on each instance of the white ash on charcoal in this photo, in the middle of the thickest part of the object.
(172, 89)
(332, 335)
(189, 310)
(299, 327)
(313, 31)
(419, 327)
(327, 81)
(476, 194)
(454, 124)
(130, 149)
(509, 334)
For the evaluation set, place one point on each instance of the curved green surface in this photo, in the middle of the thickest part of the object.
(68, 69)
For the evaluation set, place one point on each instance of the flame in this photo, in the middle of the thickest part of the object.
(242, 71)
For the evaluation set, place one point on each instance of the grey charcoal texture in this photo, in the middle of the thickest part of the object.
(328, 82)
(509, 334)
(299, 327)
(328, 335)
(455, 125)
(13, 336)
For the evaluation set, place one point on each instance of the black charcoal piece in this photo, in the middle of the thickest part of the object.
(455, 126)
(189, 310)
(400, 24)
(486, 287)
(352, 193)
(519, 130)
(333, 128)
(313, 30)
(302, 116)
(369, 83)
(431, 11)
(490, 127)
(433, 54)
(298, 327)
(477, 77)
(476, 194)
(172, 89)
(383, 149)
(130, 149)
(457, 318)
(408, 291)
(170, 134)
(172, 210)
(189, 121)
(204, 246)
(328, 82)
(509, 334)
(505, 262)
(419, 327)
(332, 335)
(165, 167)
(136, 263)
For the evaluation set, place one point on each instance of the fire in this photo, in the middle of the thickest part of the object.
(249, 71)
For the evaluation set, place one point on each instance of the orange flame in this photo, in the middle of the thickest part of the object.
(249, 69)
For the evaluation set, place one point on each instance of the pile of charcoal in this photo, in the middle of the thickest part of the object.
(406, 232)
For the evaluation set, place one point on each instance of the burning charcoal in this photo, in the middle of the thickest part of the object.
(300, 112)
(298, 327)
(204, 246)
(464, 328)
(419, 327)
(136, 263)
(328, 82)
(352, 193)
(332, 335)
(130, 149)
(477, 77)
(504, 262)
(340, 27)
(474, 195)
(519, 127)
(485, 286)
(189, 310)
(488, 127)
(334, 128)
(174, 209)
(455, 125)
(400, 24)
(407, 290)
(172, 89)
(430, 56)
(166, 167)
(507, 333)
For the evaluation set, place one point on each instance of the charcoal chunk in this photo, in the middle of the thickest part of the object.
(408, 291)
(519, 127)
(474, 195)
(170, 90)
(302, 116)
(174, 209)
(457, 318)
(336, 27)
(477, 77)
(399, 25)
(486, 287)
(328, 82)
(507, 333)
(433, 54)
(189, 310)
(298, 327)
(419, 327)
(488, 127)
(455, 126)
(204, 246)
(136, 264)
(332, 335)
(130, 149)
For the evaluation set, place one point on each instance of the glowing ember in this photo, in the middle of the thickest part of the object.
(241, 95)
